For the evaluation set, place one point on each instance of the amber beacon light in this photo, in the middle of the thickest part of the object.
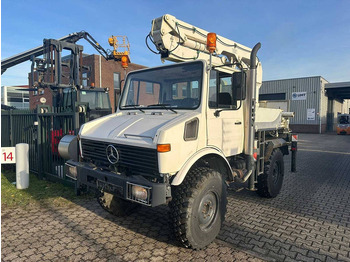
(124, 61)
(211, 42)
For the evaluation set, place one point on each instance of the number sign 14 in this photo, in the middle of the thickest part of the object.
(8, 155)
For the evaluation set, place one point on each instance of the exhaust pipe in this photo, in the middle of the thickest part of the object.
(251, 104)
(250, 107)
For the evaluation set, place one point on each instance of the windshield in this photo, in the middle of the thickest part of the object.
(177, 86)
(343, 120)
(96, 100)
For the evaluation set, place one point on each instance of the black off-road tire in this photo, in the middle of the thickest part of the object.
(270, 182)
(115, 205)
(198, 207)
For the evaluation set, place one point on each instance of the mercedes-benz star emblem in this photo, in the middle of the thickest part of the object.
(112, 154)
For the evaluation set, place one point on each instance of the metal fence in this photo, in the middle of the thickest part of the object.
(42, 129)
(17, 126)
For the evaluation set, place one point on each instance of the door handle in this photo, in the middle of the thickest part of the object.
(238, 123)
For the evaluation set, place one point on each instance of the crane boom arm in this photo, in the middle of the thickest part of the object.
(179, 41)
(38, 51)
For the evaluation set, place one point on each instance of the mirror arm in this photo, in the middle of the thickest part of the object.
(217, 112)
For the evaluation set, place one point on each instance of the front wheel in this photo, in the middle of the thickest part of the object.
(198, 207)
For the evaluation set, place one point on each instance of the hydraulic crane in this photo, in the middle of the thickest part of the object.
(50, 71)
(179, 41)
(71, 38)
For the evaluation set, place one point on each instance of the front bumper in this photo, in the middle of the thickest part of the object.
(343, 131)
(119, 185)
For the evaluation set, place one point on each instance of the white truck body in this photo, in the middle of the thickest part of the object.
(182, 132)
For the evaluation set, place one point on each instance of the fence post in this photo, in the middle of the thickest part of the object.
(39, 142)
(294, 149)
(22, 166)
(11, 128)
(75, 118)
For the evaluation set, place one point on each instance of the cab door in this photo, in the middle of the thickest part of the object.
(225, 114)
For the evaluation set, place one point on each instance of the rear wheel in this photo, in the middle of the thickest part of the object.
(270, 182)
(115, 205)
(198, 207)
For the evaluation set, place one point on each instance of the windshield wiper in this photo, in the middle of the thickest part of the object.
(165, 106)
(135, 106)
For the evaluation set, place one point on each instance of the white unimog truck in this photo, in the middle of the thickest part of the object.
(183, 133)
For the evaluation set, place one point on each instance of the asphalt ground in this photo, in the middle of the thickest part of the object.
(308, 221)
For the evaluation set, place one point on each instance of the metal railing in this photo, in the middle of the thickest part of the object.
(42, 129)
(18, 126)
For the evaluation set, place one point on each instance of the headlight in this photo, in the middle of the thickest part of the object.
(72, 172)
(139, 192)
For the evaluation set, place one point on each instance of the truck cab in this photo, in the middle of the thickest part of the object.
(96, 100)
(176, 112)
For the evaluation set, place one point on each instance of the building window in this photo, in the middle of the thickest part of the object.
(25, 99)
(194, 89)
(174, 89)
(184, 91)
(15, 99)
(84, 80)
(116, 82)
(276, 96)
(149, 88)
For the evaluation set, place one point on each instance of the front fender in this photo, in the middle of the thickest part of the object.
(180, 176)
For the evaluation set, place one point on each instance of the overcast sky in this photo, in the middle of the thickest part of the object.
(299, 38)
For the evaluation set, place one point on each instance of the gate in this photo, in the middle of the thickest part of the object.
(42, 129)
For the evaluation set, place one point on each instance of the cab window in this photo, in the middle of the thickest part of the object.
(222, 93)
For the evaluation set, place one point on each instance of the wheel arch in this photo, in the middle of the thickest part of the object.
(209, 157)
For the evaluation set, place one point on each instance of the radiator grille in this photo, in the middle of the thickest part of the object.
(135, 158)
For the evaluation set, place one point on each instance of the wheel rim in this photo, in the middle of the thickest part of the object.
(207, 210)
(276, 173)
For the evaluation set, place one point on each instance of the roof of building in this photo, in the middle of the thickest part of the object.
(296, 78)
(339, 90)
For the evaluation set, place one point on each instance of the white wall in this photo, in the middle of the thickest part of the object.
(346, 107)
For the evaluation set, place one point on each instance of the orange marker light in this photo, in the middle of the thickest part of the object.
(211, 42)
(162, 148)
(111, 41)
(125, 61)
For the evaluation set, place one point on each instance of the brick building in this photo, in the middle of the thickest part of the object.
(101, 73)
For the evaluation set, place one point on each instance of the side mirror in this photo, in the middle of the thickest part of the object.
(239, 86)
